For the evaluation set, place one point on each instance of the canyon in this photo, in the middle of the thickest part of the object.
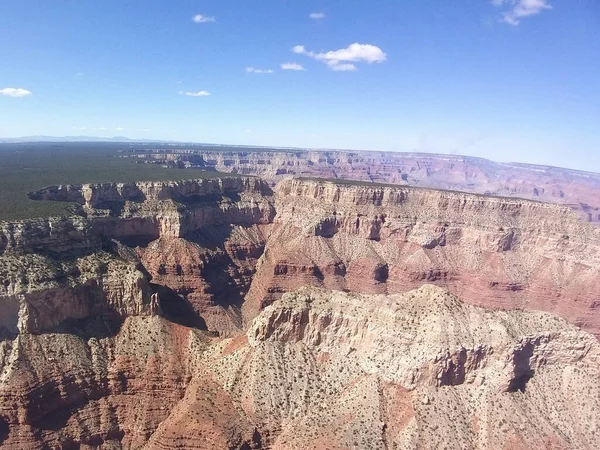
(238, 313)
(578, 189)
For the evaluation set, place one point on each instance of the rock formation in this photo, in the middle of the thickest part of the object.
(419, 370)
(316, 370)
(168, 315)
(222, 220)
(493, 252)
(580, 190)
(232, 244)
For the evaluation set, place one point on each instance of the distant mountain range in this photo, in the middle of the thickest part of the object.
(25, 139)
(33, 139)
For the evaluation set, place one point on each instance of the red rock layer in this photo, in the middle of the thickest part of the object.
(210, 270)
(493, 252)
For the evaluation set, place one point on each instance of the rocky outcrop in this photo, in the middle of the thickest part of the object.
(165, 315)
(493, 252)
(316, 369)
(148, 210)
(197, 241)
(88, 389)
(54, 234)
(580, 190)
(418, 370)
(212, 269)
(227, 245)
(40, 294)
(106, 195)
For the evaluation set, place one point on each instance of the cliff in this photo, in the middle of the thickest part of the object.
(493, 252)
(316, 369)
(419, 370)
(168, 315)
(233, 244)
(580, 190)
(222, 214)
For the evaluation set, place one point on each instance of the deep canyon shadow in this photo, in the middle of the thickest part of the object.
(177, 309)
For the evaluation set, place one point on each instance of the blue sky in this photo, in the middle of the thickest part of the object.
(510, 80)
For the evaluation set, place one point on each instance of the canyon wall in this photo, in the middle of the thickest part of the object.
(94, 351)
(223, 221)
(580, 190)
(233, 245)
(325, 369)
(168, 315)
(493, 252)
(317, 369)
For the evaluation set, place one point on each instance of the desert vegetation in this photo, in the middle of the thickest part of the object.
(27, 167)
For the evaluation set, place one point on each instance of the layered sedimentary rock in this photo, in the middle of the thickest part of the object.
(148, 210)
(493, 252)
(226, 245)
(211, 268)
(580, 190)
(223, 245)
(198, 239)
(419, 370)
(317, 369)
(90, 355)
(40, 294)
(122, 326)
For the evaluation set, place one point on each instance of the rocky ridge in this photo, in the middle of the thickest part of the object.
(493, 252)
(317, 369)
(417, 370)
(119, 217)
(166, 320)
(580, 190)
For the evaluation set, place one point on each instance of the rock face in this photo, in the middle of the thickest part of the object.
(197, 238)
(580, 190)
(419, 370)
(493, 252)
(317, 369)
(233, 245)
(168, 315)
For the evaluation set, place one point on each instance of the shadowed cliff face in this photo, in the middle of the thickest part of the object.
(145, 321)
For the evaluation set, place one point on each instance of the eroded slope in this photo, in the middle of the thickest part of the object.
(420, 370)
(122, 327)
(317, 369)
(494, 252)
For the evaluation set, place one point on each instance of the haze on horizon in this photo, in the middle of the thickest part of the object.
(507, 80)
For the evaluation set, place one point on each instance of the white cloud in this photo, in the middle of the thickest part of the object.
(317, 15)
(519, 9)
(145, 130)
(119, 129)
(79, 74)
(248, 131)
(300, 49)
(102, 128)
(292, 66)
(14, 92)
(199, 18)
(340, 59)
(255, 70)
(195, 94)
(346, 67)
(79, 128)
